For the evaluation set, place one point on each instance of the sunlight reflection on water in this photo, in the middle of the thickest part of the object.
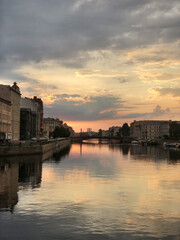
(93, 191)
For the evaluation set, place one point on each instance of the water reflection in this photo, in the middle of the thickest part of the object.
(15, 174)
(8, 185)
(30, 174)
(154, 153)
(97, 191)
(58, 156)
(20, 173)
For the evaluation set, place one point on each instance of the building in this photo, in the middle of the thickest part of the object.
(41, 112)
(175, 130)
(71, 131)
(5, 119)
(49, 125)
(149, 129)
(105, 133)
(29, 119)
(89, 130)
(15, 111)
(10, 112)
(115, 131)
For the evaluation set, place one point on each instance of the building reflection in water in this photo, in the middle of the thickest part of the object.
(30, 174)
(21, 173)
(154, 153)
(57, 157)
(15, 174)
(8, 185)
(138, 152)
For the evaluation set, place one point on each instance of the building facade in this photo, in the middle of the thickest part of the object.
(105, 133)
(149, 129)
(41, 113)
(10, 112)
(49, 125)
(15, 112)
(115, 131)
(5, 119)
(175, 130)
(71, 131)
(29, 119)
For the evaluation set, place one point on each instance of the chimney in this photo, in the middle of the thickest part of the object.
(15, 87)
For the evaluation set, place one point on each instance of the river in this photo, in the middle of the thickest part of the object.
(92, 191)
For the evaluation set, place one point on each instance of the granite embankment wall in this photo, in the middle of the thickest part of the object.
(44, 149)
(54, 147)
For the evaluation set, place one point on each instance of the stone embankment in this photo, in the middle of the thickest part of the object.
(46, 149)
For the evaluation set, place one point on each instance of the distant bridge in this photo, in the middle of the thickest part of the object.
(81, 138)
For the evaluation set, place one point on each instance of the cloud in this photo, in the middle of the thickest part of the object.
(91, 108)
(157, 55)
(88, 108)
(75, 99)
(120, 79)
(68, 31)
(99, 39)
(157, 112)
(84, 73)
(175, 92)
(10, 72)
(134, 115)
(67, 95)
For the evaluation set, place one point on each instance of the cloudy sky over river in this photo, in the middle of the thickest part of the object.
(94, 62)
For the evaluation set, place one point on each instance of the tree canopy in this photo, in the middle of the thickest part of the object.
(61, 132)
(125, 130)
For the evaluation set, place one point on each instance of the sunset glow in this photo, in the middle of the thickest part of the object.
(94, 63)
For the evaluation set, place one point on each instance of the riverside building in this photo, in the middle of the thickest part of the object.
(10, 112)
(49, 125)
(41, 113)
(149, 129)
(30, 119)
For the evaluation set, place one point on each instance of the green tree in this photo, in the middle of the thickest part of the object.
(61, 132)
(125, 130)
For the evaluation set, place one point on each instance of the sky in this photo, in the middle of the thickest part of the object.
(94, 63)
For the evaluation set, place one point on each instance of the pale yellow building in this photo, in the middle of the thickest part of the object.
(49, 125)
(10, 112)
(5, 118)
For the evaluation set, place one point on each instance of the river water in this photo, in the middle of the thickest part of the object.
(92, 191)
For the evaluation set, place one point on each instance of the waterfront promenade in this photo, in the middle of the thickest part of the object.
(45, 148)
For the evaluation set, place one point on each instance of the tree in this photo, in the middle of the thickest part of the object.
(120, 132)
(174, 130)
(100, 133)
(125, 130)
(61, 132)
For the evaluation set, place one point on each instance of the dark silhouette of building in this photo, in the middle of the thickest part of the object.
(27, 124)
(8, 185)
(40, 104)
(31, 118)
